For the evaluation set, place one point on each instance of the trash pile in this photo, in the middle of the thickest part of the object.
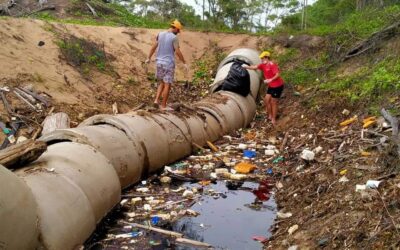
(22, 113)
(165, 198)
(341, 184)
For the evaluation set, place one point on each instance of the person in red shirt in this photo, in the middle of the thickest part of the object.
(273, 81)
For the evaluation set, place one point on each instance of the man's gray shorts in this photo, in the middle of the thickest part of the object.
(165, 73)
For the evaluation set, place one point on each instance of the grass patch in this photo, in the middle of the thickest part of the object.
(375, 80)
(85, 55)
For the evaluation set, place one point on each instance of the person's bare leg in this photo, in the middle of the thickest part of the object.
(165, 95)
(159, 91)
(274, 108)
(267, 101)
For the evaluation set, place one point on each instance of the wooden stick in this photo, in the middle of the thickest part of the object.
(22, 153)
(193, 242)
(6, 104)
(170, 204)
(284, 141)
(92, 9)
(37, 97)
(156, 229)
(24, 100)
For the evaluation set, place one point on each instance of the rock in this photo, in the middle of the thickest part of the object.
(307, 155)
(293, 229)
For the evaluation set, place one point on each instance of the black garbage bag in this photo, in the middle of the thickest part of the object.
(238, 80)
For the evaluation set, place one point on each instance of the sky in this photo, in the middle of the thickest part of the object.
(199, 9)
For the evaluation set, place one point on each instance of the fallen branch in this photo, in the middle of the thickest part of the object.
(373, 41)
(156, 229)
(92, 10)
(18, 155)
(395, 128)
(193, 242)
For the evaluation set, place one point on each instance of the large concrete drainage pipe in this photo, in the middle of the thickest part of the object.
(118, 149)
(223, 73)
(79, 179)
(249, 56)
(226, 108)
(18, 213)
(66, 218)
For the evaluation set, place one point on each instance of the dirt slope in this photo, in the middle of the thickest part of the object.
(23, 61)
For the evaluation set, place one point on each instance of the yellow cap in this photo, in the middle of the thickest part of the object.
(177, 24)
(264, 54)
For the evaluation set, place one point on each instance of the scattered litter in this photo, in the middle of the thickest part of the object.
(343, 172)
(278, 159)
(349, 121)
(242, 146)
(373, 184)
(343, 179)
(261, 239)
(293, 229)
(282, 215)
(346, 112)
(249, 154)
(245, 168)
(360, 188)
(307, 155)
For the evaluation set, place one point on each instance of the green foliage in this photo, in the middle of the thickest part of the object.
(372, 80)
(84, 55)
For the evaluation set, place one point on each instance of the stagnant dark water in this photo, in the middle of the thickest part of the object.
(231, 222)
(228, 222)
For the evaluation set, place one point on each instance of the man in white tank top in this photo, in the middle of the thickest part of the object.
(168, 44)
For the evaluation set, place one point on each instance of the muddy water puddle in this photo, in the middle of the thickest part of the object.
(230, 214)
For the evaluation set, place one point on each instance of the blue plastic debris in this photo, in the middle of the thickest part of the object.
(249, 153)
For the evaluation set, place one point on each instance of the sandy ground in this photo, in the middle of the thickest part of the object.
(23, 61)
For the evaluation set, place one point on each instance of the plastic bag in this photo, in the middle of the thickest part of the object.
(238, 80)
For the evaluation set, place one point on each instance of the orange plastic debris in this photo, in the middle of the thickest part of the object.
(365, 153)
(212, 146)
(244, 167)
(371, 118)
(368, 123)
(204, 183)
(348, 121)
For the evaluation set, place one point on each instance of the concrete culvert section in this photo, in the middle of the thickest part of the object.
(88, 169)
(79, 179)
(197, 129)
(249, 56)
(213, 128)
(232, 117)
(118, 149)
(178, 134)
(247, 105)
(18, 213)
(66, 217)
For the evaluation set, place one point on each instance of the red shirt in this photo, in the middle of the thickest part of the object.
(270, 70)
